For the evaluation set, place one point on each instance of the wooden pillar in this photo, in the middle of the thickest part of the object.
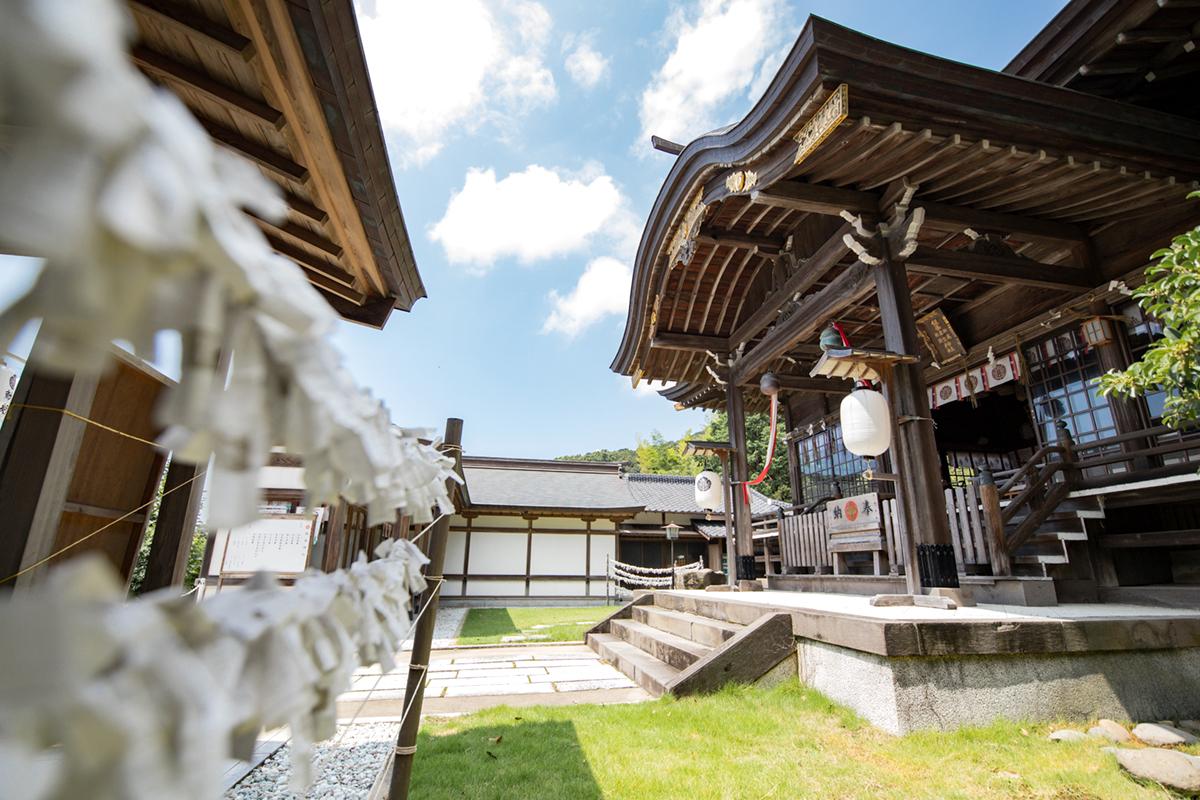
(743, 533)
(727, 517)
(38, 451)
(919, 491)
(793, 458)
(335, 531)
(993, 524)
(418, 669)
(175, 527)
(1129, 413)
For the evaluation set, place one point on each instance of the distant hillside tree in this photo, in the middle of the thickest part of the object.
(758, 428)
(659, 456)
(625, 455)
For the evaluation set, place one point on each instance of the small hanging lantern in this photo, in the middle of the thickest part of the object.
(866, 422)
(672, 530)
(708, 491)
(1096, 331)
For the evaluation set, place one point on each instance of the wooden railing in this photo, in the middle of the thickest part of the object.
(990, 521)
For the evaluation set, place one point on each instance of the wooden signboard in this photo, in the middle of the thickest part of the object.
(854, 523)
(279, 543)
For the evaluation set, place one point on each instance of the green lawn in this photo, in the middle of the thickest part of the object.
(488, 625)
(786, 742)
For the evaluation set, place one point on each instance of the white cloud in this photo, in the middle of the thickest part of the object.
(717, 54)
(649, 388)
(534, 214)
(585, 66)
(440, 67)
(603, 289)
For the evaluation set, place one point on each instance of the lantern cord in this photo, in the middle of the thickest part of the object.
(762, 476)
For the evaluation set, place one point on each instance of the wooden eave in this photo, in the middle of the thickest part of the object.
(1050, 167)
(285, 85)
(1143, 52)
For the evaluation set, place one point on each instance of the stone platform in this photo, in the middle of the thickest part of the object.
(909, 668)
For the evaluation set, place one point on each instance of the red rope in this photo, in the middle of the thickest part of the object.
(762, 476)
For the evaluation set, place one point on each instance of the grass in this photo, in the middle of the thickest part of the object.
(782, 743)
(489, 625)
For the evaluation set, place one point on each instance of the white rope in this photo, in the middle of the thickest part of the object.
(654, 570)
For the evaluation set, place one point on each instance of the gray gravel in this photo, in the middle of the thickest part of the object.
(345, 766)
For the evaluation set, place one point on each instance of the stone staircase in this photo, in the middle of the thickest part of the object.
(678, 644)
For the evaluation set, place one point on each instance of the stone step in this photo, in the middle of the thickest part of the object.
(710, 605)
(642, 668)
(677, 651)
(706, 631)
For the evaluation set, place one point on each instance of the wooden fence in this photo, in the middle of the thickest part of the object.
(804, 540)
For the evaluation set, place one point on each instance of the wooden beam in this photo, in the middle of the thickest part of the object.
(813, 311)
(304, 208)
(1111, 68)
(717, 236)
(668, 340)
(1187, 537)
(816, 199)
(797, 383)
(943, 216)
(175, 527)
(666, 145)
(998, 269)
(162, 66)
(804, 278)
(299, 233)
(832, 200)
(1148, 36)
(273, 162)
(190, 23)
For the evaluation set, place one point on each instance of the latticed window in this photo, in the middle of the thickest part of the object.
(1062, 385)
(824, 461)
(1143, 331)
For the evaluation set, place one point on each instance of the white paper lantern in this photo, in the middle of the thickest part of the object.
(708, 491)
(866, 422)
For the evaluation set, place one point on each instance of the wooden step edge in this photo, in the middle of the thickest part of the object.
(743, 659)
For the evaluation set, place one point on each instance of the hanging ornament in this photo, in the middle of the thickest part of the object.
(708, 491)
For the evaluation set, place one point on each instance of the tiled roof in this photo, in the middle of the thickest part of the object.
(677, 494)
(529, 483)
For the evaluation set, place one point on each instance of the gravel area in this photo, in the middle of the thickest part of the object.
(446, 626)
(346, 766)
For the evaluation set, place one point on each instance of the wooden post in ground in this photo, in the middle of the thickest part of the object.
(743, 533)
(727, 515)
(175, 527)
(993, 523)
(418, 667)
(914, 451)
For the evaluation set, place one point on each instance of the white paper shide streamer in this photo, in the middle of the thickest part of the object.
(147, 699)
(140, 219)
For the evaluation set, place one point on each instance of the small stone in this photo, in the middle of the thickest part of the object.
(1162, 735)
(1008, 776)
(1168, 767)
(514, 638)
(1067, 735)
(538, 627)
(1113, 731)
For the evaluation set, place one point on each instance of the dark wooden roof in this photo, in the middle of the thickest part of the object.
(1138, 51)
(285, 85)
(1065, 191)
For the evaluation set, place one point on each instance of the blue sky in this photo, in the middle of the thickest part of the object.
(519, 138)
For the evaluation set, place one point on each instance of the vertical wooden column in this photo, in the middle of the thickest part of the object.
(743, 533)
(793, 457)
(1129, 413)
(175, 527)
(418, 668)
(919, 488)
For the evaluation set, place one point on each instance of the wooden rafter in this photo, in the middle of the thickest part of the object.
(311, 263)
(164, 67)
(274, 162)
(668, 340)
(301, 234)
(729, 238)
(183, 19)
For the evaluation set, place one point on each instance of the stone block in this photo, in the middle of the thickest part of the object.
(1169, 767)
(1162, 734)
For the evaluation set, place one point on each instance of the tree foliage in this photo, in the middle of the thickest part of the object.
(1171, 295)
(624, 455)
(657, 455)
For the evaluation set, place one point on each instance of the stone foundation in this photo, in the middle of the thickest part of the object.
(903, 694)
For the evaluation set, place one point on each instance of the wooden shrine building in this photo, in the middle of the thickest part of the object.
(976, 235)
(284, 85)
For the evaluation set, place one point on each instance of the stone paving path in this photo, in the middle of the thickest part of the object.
(467, 679)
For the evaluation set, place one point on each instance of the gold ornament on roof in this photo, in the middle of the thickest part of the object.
(741, 181)
(831, 113)
(683, 243)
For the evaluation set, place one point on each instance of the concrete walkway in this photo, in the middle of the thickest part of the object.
(468, 679)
